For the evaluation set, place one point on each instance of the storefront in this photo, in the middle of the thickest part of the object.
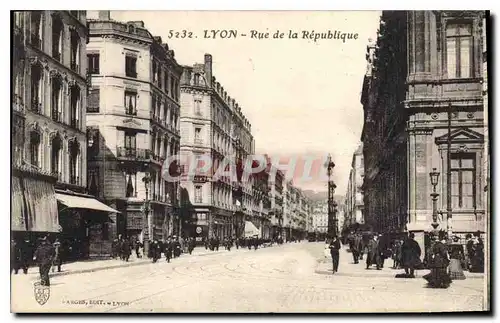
(251, 230)
(85, 224)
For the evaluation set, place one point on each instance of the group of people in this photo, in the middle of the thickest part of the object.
(444, 258)
(172, 247)
(46, 255)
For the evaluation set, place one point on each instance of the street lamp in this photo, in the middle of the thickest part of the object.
(145, 217)
(331, 190)
(335, 220)
(434, 181)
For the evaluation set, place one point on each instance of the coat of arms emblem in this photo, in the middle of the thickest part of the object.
(42, 293)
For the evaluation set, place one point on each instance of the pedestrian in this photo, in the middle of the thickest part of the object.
(176, 247)
(126, 250)
(167, 249)
(456, 259)
(191, 245)
(335, 253)
(396, 254)
(373, 254)
(57, 262)
(411, 252)
(44, 256)
(469, 247)
(155, 250)
(438, 277)
(477, 260)
(137, 246)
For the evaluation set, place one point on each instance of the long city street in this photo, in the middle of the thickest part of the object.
(276, 279)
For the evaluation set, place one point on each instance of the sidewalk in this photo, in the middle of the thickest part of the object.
(348, 268)
(87, 266)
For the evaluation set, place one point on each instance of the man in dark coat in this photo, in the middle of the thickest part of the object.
(156, 250)
(373, 255)
(191, 245)
(126, 250)
(176, 247)
(44, 256)
(138, 245)
(410, 255)
(168, 248)
(335, 253)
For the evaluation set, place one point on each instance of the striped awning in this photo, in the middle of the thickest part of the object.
(34, 205)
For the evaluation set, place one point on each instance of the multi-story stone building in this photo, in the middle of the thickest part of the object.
(49, 132)
(277, 188)
(320, 218)
(353, 207)
(213, 125)
(296, 208)
(133, 124)
(424, 72)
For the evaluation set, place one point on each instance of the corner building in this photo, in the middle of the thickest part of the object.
(213, 125)
(424, 71)
(49, 90)
(133, 125)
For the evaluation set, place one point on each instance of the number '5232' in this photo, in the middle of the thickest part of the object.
(180, 34)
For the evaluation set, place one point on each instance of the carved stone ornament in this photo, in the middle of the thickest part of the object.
(54, 73)
(462, 149)
(72, 83)
(434, 116)
(470, 115)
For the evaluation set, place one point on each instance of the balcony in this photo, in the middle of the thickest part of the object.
(157, 158)
(132, 153)
(35, 40)
(75, 67)
(56, 116)
(36, 107)
(74, 180)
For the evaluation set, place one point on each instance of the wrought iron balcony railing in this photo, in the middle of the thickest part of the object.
(133, 153)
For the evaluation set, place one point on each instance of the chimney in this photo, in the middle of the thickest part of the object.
(104, 15)
(208, 69)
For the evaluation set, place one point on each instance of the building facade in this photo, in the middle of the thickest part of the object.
(422, 100)
(49, 133)
(213, 126)
(133, 126)
(353, 207)
(320, 218)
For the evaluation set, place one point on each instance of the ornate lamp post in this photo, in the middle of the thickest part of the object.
(145, 218)
(434, 181)
(331, 190)
(335, 220)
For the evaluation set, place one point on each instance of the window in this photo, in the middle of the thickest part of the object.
(74, 163)
(36, 29)
(165, 82)
(57, 38)
(197, 135)
(130, 103)
(75, 107)
(463, 181)
(130, 191)
(55, 156)
(458, 50)
(197, 107)
(56, 99)
(75, 51)
(93, 100)
(197, 194)
(93, 61)
(130, 140)
(153, 105)
(155, 71)
(131, 66)
(35, 149)
(36, 88)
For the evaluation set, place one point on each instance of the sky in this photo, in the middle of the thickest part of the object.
(302, 97)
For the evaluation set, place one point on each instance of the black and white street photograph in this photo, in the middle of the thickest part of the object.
(250, 161)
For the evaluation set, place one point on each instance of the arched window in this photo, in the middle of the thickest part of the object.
(36, 88)
(75, 107)
(36, 29)
(56, 99)
(74, 162)
(56, 156)
(75, 51)
(35, 148)
(57, 37)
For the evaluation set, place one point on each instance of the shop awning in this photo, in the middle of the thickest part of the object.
(79, 202)
(251, 230)
(40, 206)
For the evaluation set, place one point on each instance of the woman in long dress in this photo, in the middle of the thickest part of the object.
(456, 259)
(438, 277)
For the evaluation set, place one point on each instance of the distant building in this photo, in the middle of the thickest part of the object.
(320, 217)
(354, 205)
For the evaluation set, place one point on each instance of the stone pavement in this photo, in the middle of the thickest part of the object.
(278, 279)
(347, 267)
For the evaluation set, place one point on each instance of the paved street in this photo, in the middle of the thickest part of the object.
(277, 279)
